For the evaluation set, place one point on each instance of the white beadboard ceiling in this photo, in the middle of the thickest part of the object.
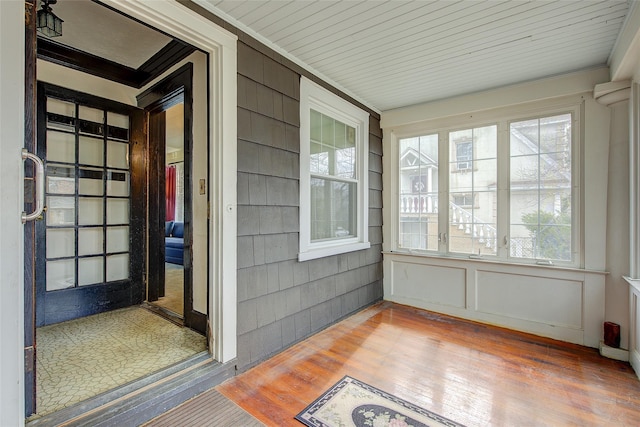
(394, 53)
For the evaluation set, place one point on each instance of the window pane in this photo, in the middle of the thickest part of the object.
(484, 142)
(90, 211)
(419, 193)
(333, 209)
(473, 174)
(316, 122)
(90, 182)
(333, 147)
(91, 114)
(555, 134)
(469, 232)
(61, 274)
(61, 147)
(540, 188)
(60, 115)
(119, 120)
(60, 211)
(90, 271)
(64, 108)
(90, 241)
(117, 211)
(117, 155)
(319, 162)
(117, 267)
(60, 242)
(117, 239)
(117, 183)
(91, 151)
(327, 129)
(60, 179)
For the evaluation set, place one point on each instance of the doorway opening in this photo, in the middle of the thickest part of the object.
(99, 214)
(177, 219)
(171, 291)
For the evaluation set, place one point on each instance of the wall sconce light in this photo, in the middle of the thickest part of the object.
(47, 22)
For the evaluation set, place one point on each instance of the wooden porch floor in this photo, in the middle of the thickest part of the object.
(474, 374)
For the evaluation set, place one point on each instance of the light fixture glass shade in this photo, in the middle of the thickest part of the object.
(48, 23)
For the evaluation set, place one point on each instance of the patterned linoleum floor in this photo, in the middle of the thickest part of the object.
(82, 358)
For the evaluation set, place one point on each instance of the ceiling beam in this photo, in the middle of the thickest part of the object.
(85, 62)
(174, 52)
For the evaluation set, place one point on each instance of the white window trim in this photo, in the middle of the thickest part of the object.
(500, 117)
(314, 96)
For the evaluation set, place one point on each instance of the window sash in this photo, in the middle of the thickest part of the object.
(540, 185)
(333, 149)
(501, 236)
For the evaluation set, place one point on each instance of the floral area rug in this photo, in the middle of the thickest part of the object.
(353, 403)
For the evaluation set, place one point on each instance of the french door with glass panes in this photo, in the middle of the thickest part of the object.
(88, 252)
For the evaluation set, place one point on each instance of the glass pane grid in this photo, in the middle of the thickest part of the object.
(419, 193)
(472, 191)
(80, 245)
(333, 150)
(333, 209)
(541, 189)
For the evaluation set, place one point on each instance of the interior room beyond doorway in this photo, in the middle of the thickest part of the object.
(173, 299)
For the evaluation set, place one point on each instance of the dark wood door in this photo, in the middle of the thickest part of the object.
(29, 227)
(88, 246)
(156, 215)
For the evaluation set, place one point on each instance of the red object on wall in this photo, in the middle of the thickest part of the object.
(612, 334)
(170, 193)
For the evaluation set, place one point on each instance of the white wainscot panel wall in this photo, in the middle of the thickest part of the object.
(565, 304)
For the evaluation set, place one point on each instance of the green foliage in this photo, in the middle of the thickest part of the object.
(551, 234)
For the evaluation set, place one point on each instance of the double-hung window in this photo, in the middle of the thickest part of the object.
(333, 174)
(504, 189)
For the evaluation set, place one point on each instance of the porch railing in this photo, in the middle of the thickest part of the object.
(464, 220)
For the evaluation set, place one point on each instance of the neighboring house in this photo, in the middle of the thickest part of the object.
(473, 200)
(275, 279)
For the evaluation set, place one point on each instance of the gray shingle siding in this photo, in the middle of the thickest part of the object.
(281, 300)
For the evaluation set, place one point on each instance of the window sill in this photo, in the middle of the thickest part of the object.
(321, 252)
(634, 283)
(476, 259)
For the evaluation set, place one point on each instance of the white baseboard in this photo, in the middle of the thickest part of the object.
(614, 353)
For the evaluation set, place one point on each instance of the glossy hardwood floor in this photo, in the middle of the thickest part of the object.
(475, 374)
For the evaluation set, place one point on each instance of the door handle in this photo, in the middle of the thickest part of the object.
(39, 186)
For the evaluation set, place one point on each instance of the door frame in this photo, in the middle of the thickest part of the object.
(221, 47)
(175, 88)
